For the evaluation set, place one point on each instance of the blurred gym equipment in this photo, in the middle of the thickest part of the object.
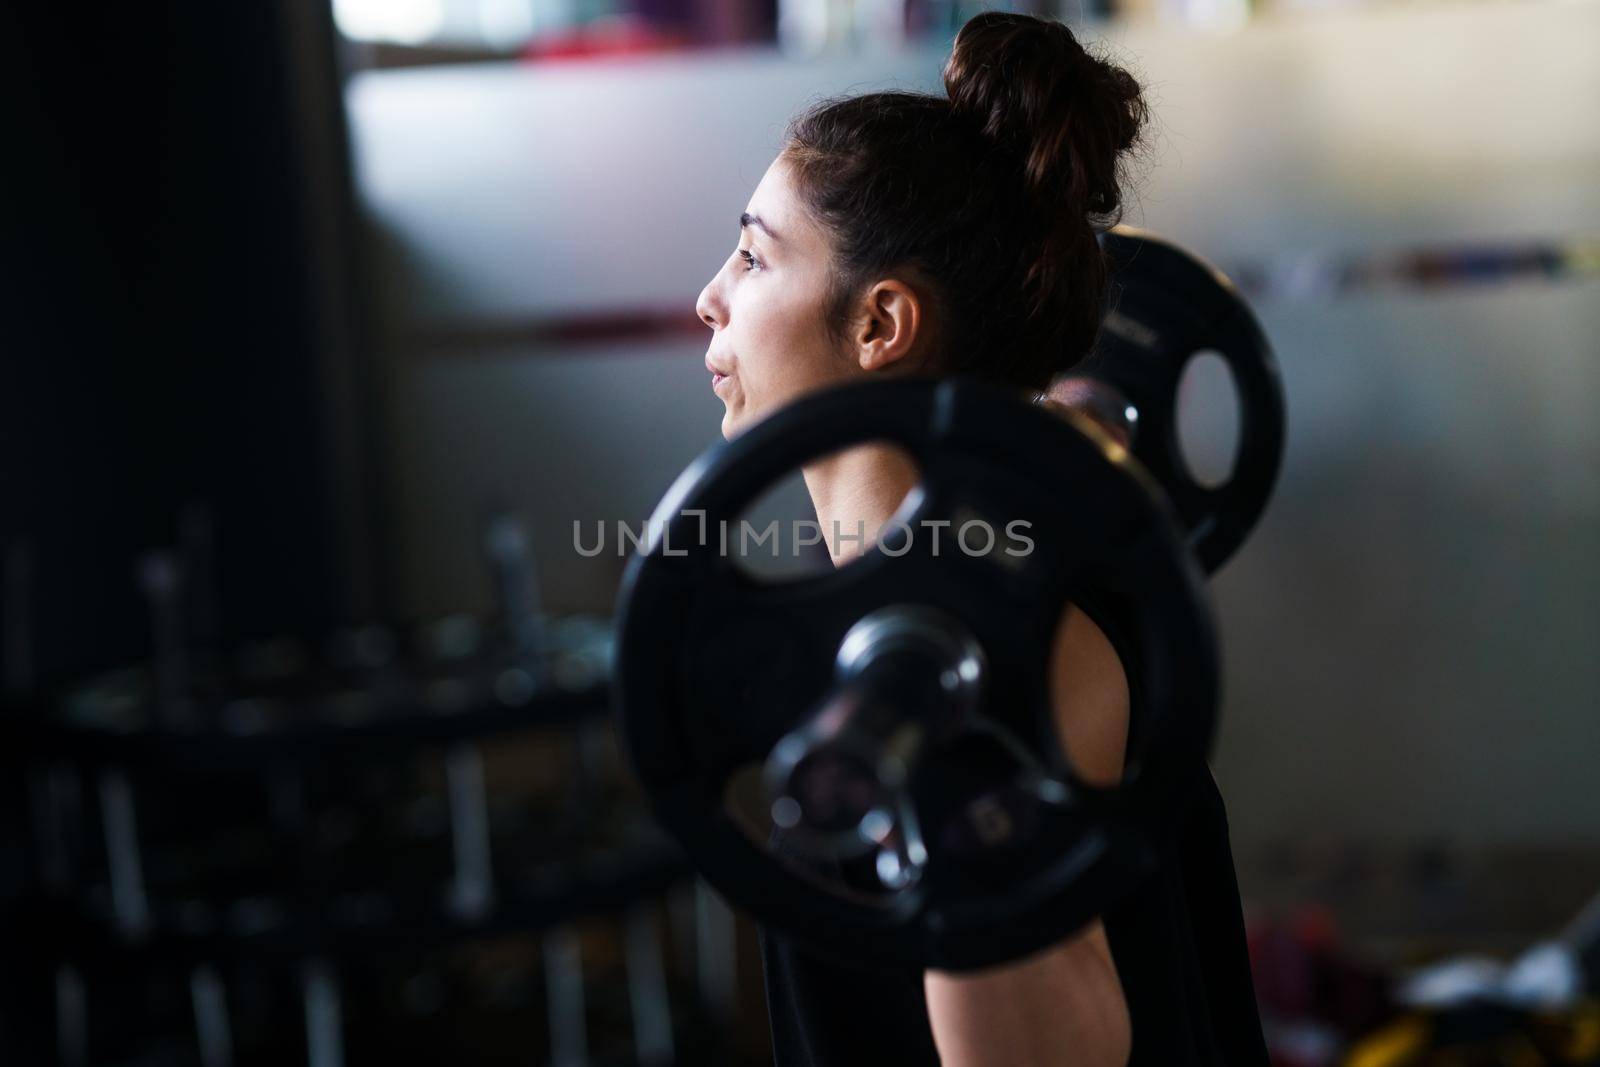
(232, 833)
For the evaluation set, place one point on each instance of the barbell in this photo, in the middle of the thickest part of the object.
(867, 759)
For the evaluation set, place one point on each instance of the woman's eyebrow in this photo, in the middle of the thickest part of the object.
(747, 219)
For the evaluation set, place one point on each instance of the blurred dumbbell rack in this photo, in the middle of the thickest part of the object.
(389, 844)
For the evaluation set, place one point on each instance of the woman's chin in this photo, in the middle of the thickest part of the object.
(736, 416)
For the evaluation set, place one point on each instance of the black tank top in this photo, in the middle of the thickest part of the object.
(1178, 941)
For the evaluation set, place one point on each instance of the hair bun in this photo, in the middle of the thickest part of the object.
(1034, 90)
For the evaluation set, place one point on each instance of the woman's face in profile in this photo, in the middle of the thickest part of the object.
(765, 308)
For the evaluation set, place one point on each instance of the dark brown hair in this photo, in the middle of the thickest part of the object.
(989, 197)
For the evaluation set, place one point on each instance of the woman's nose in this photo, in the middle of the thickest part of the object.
(708, 307)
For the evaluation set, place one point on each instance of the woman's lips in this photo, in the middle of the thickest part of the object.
(717, 376)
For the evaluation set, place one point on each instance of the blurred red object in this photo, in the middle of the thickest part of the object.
(1315, 928)
(1314, 996)
(617, 35)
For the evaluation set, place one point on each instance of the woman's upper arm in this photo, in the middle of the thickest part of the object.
(1060, 1007)
(1064, 1004)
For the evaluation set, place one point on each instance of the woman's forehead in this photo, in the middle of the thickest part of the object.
(771, 196)
(774, 209)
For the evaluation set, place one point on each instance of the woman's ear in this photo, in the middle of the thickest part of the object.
(888, 325)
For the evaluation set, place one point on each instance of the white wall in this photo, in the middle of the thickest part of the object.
(1411, 637)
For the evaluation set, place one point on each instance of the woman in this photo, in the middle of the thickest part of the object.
(904, 234)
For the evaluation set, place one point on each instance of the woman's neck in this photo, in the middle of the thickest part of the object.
(855, 492)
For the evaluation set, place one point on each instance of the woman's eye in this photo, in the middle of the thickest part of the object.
(750, 261)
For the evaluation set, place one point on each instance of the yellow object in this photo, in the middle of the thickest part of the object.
(1582, 1040)
(1396, 1044)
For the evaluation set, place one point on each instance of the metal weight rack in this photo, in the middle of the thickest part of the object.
(393, 844)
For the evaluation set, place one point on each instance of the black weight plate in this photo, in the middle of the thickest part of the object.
(1163, 306)
(713, 666)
